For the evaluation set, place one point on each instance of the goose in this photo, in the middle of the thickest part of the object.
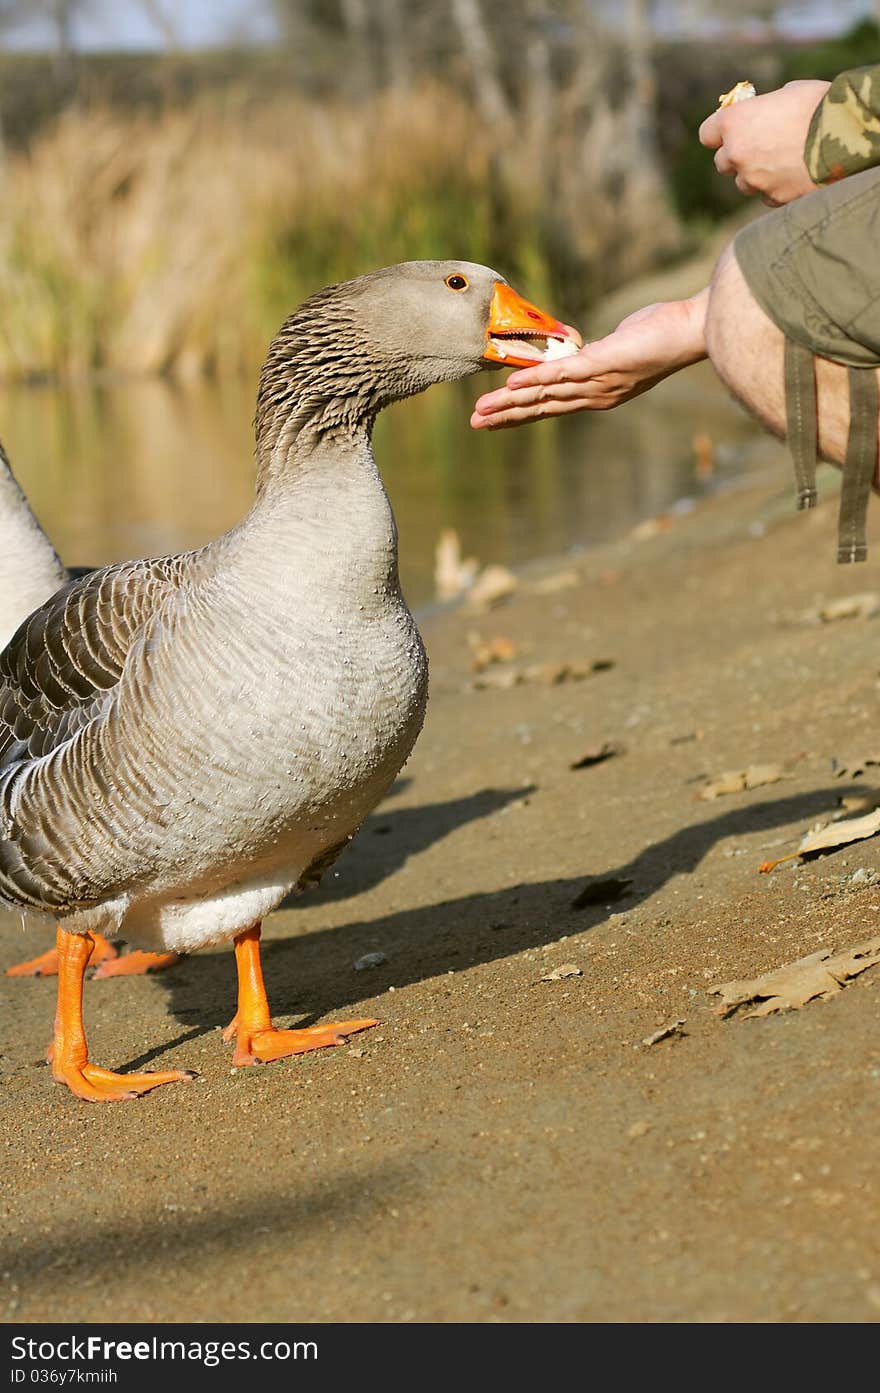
(185, 740)
(31, 571)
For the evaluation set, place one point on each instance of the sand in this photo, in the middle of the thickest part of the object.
(503, 1147)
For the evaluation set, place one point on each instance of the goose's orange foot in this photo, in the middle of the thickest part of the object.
(262, 1046)
(97, 1085)
(46, 965)
(136, 964)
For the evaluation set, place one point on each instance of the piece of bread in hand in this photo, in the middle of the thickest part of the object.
(739, 93)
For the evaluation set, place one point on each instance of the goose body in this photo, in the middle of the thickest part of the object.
(260, 713)
(185, 740)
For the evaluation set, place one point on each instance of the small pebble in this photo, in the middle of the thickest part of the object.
(369, 960)
(639, 1129)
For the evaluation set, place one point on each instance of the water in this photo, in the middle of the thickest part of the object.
(139, 468)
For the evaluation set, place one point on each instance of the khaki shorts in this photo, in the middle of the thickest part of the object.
(814, 268)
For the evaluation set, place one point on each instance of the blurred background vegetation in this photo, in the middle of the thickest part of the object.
(163, 208)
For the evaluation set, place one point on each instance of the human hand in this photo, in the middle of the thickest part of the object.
(644, 348)
(761, 141)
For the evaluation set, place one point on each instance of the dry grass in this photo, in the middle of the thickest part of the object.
(178, 243)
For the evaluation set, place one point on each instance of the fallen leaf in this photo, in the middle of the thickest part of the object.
(500, 681)
(597, 754)
(553, 674)
(704, 455)
(550, 674)
(821, 974)
(737, 780)
(851, 803)
(566, 970)
(836, 834)
(561, 580)
(854, 768)
(493, 650)
(651, 527)
(674, 1028)
(452, 575)
(601, 892)
(862, 606)
(494, 584)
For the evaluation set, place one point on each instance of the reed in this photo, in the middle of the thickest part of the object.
(175, 243)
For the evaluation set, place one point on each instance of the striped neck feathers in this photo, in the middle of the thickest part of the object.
(324, 379)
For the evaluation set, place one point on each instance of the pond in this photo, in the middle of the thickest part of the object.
(139, 468)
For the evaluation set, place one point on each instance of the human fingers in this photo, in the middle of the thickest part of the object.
(710, 133)
(539, 411)
(541, 391)
(744, 186)
(723, 163)
(576, 368)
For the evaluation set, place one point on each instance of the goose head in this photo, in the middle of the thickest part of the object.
(352, 348)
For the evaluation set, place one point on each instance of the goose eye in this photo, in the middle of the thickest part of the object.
(457, 282)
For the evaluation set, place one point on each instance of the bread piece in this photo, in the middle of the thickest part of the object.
(739, 93)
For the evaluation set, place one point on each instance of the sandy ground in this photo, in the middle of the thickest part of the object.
(504, 1148)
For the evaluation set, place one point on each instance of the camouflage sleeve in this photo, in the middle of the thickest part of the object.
(844, 134)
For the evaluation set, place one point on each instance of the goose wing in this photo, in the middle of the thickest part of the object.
(62, 665)
(59, 680)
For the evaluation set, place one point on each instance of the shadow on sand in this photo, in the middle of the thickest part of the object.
(311, 975)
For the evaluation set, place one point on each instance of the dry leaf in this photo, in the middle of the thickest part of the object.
(597, 754)
(674, 1028)
(601, 892)
(854, 829)
(494, 584)
(704, 455)
(851, 803)
(736, 781)
(861, 606)
(854, 768)
(501, 681)
(651, 527)
(560, 580)
(566, 970)
(493, 650)
(552, 674)
(452, 575)
(820, 974)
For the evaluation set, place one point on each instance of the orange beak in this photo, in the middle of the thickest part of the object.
(519, 333)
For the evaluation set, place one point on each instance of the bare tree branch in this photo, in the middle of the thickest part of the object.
(480, 54)
(164, 22)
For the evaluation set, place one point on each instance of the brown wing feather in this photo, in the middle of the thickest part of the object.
(59, 669)
(58, 677)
